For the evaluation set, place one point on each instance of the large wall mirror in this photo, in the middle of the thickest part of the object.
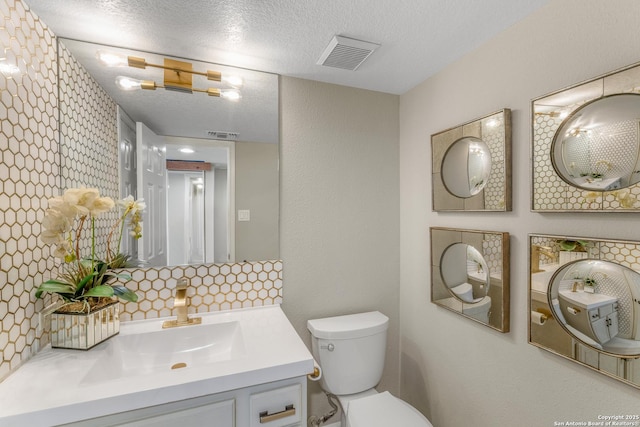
(471, 165)
(470, 274)
(585, 302)
(205, 163)
(586, 146)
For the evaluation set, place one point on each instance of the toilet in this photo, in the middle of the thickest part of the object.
(350, 350)
(464, 292)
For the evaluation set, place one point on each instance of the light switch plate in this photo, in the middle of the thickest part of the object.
(244, 215)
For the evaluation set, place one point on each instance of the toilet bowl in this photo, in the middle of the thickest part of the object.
(464, 292)
(478, 310)
(383, 409)
(350, 350)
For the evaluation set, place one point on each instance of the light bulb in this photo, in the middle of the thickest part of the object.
(127, 83)
(234, 81)
(186, 150)
(111, 59)
(231, 95)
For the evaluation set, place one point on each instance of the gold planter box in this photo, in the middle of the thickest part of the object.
(83, 331)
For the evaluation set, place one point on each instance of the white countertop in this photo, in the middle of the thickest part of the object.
(586, 300)
(52, 389)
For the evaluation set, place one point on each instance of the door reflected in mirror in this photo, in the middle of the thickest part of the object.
(470, 274)
(471, 165)
(584, 302)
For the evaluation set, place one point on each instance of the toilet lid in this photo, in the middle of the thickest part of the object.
(384, 410)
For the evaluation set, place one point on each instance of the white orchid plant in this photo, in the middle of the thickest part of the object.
(88, 278)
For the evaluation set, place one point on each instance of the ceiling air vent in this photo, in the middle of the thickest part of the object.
(346, 53)
(215, 134)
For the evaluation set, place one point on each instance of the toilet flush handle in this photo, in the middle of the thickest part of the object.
(329, 347)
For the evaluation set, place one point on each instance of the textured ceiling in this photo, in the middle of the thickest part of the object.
(418, 37)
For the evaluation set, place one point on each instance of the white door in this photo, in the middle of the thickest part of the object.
(152, 186)
(128, 173)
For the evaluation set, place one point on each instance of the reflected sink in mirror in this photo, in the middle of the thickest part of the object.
(149, 353)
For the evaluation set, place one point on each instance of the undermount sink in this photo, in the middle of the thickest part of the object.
(145, 353)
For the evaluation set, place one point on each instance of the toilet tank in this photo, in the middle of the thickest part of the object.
(350, 350)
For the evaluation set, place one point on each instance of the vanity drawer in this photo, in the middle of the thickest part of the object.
(276, 408)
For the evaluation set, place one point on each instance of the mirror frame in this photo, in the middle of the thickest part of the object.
(544, 328)
(550, 192)
(498, 186)
(494, 246)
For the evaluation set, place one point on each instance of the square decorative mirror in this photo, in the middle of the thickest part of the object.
(586, 146)
(584, 302)
(471, 165)
(470, 274)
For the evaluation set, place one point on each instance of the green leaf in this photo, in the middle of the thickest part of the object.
(100, 291)
(124, 293)
(56, 287)
(84, 282)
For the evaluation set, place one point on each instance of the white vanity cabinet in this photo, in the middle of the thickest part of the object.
(594, 315)
(277, 404)
(604, 322)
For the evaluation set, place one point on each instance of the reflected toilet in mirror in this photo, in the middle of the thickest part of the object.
(584, 302)
(469, 274)
(471, 165)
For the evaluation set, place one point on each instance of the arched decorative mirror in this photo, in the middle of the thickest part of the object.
(586, 146)
(474, 156)
(470, 274)
(465, 273)
(597, 147)
(584, 301)
(471, 165)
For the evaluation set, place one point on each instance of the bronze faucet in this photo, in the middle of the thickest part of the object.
(536, 251)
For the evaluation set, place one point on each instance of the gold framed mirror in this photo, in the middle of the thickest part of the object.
(586, 146)
(584, 305)
(471, 165)
(470, 274)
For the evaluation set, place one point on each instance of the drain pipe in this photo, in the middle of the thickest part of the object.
(318, 421)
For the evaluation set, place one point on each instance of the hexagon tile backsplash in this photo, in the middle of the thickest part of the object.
(30, 174)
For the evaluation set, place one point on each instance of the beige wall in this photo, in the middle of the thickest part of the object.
(339, 226)
(257, 190)
(456, 371)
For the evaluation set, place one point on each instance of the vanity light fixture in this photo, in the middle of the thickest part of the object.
(178, 76)
(128, 83)
(563, 114)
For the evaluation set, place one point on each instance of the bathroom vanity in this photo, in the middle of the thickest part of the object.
(595, 315)
(243, 367)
